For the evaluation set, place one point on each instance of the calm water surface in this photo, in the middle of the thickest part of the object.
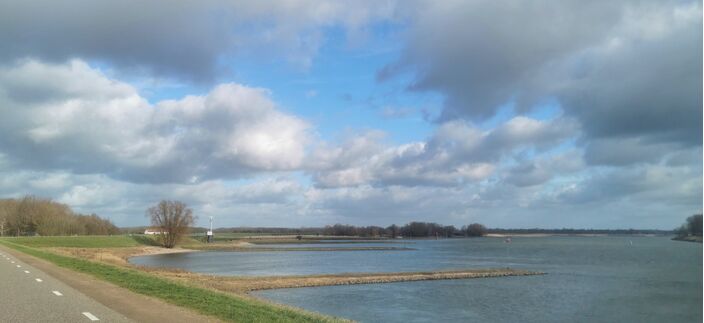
(594, 279)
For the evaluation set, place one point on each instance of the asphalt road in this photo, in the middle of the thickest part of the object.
(30, 295)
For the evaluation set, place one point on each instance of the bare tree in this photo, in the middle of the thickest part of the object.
(476, 230)
(173, 219)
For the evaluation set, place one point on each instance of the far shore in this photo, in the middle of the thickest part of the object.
(689, 239)
(542, 235)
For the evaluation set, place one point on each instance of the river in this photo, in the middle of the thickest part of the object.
(595, 279)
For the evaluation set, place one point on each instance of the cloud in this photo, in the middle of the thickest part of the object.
(386, 205)
(183, 39)
(457, 153)
(71, 117)
(541, 169)
(623, 69)
(628, 151)
(624, 145)
(642, 184)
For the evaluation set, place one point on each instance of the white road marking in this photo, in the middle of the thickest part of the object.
(90, 316)
(38, 280)
(26, 271)
(12, 262)
(18, 266)
(57, 293)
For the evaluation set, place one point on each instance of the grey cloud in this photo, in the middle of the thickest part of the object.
(623, 69)
(528, 175)
(690, 157)
(183, 39)
(176, 38)
(542, 169)
(483, 53)
(642, 184)
(627, 151)
(643, 87)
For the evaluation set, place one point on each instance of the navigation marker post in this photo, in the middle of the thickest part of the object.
(210, 232)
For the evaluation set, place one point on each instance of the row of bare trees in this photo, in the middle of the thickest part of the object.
(38, 216)
(413, 229)
(693, 227)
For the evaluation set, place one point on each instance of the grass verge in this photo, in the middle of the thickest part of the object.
(225, 307)
(120, 241)
(116, 241)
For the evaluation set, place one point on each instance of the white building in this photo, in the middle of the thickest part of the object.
(152, 231)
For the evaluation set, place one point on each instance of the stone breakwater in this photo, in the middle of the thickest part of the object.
(355, 279)
(248, 284)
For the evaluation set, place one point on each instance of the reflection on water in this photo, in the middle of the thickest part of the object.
(596, 279)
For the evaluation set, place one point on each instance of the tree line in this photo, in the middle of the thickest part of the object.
(693, 227)
(424, 229)
(410, 230)
(32, 215)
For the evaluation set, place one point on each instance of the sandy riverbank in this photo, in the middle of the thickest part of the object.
(118, 256)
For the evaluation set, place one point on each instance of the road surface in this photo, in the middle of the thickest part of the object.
(29, 295)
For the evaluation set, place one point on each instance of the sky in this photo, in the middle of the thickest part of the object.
(514, 114)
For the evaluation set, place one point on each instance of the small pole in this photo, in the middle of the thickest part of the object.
(210, 232)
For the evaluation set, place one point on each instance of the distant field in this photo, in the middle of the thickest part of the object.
(81, 241)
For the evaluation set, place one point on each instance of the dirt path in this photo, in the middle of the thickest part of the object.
(137, 307)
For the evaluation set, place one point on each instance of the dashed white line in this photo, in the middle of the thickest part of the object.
(90, 316)
(12, 262)
(18, 266)
(38, 280)
(26, 271)
(57, 293)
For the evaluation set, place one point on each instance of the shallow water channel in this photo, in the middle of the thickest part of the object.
(596, 279)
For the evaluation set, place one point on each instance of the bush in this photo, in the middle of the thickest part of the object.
(476, 230)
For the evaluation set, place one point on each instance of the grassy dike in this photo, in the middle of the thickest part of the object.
(225, 307)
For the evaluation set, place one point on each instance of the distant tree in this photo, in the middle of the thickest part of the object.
(694, 225)
(682, 231)
(173, 218)
(416, 229)
(393, 231)
(476, 230)
(40, 216)
(449, 231)
(8, 208)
